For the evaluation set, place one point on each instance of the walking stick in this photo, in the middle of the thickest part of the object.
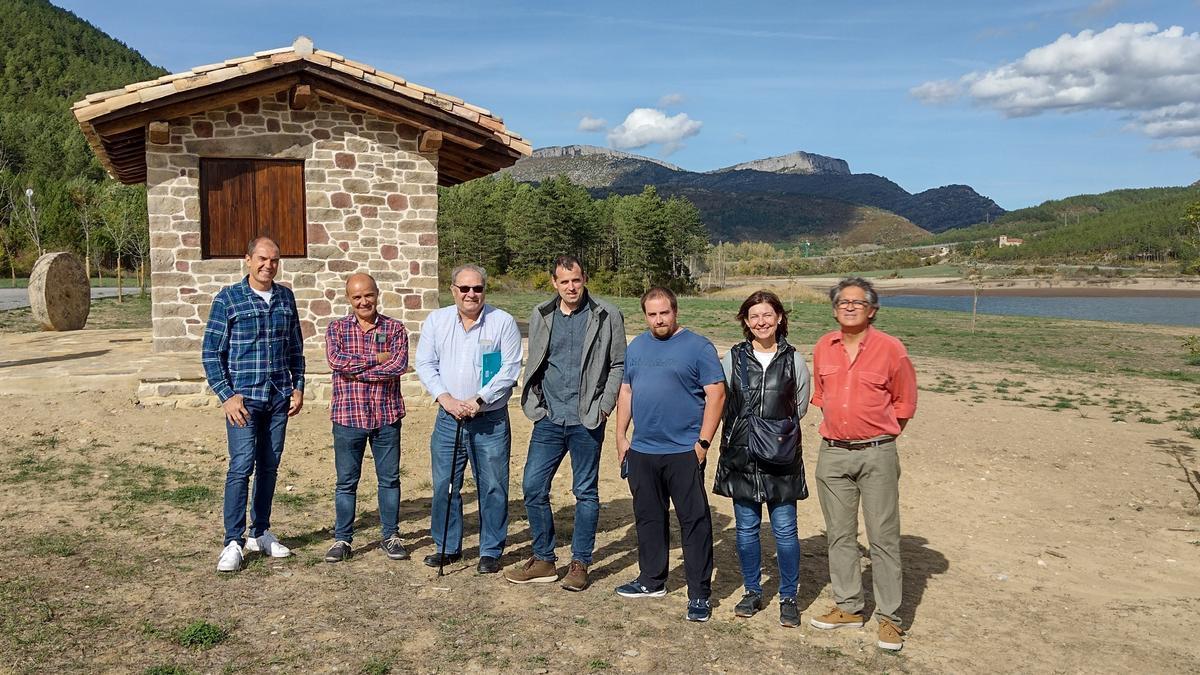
(450, 494)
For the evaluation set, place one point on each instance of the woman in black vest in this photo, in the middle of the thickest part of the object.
(766, 394)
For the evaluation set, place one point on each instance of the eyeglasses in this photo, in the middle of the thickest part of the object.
(847, 304)
(467, 289)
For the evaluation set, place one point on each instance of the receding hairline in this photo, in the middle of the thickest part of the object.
(458, 271)
(257, 241)
(361, 275)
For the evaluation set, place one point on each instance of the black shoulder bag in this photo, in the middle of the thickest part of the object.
(774, 443)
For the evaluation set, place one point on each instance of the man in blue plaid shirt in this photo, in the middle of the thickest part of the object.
(253, 356)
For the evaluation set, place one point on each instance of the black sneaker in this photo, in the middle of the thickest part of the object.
(789, 614)
(439, 559)
(487, 565)
(699, 610)
(338, 552)
(749, 605)
(394, 548)
(635, 589)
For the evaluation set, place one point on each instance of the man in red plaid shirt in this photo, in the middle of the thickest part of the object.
(368, 353)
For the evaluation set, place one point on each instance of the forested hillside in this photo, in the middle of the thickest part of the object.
(50, 58)
(626, 242)
(1123, 226)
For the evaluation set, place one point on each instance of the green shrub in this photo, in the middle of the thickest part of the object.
(202, 635)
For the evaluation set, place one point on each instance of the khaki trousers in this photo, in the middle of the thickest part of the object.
(872, 476)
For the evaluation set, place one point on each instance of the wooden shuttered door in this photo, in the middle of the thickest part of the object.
(241, 199)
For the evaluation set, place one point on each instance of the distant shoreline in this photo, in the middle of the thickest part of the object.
(1098, 287)
(1045, 291)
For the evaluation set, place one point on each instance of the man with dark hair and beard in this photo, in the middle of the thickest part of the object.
(673, 391)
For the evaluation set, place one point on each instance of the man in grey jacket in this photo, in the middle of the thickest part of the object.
(573, 373)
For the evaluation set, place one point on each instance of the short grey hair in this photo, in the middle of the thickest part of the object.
(255, 241)
(474, 268)
(867, 287)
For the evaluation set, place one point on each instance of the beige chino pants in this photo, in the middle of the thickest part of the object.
(872, 476)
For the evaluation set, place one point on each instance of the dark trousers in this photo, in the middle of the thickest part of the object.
(678, 477)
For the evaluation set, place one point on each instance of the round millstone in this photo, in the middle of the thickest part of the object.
(59, 293)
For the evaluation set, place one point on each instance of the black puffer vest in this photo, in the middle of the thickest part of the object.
(769, 395)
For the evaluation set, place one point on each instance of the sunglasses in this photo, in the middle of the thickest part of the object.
(467, 289)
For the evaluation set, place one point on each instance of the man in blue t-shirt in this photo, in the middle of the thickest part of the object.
(673, 389)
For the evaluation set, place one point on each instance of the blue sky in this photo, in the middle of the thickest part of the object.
(1024, 101)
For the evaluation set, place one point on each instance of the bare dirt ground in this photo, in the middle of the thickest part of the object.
(1050, 524)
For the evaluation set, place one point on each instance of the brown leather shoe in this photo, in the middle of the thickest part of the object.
(890, 636)
(532, 571)
(837, 618)
(577, 577)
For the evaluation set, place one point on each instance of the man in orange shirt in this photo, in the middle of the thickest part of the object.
(866, 388)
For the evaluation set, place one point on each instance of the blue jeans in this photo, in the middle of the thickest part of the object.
(485, 441)
(748, 519)
(548, 444)
(255, 448)
(349, 446)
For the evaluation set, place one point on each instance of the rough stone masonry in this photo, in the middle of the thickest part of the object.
(371, 207)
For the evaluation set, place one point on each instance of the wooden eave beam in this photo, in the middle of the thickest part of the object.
(429, 141)
(300, 96)
(158, 132)
(464, 166)
(459, 172)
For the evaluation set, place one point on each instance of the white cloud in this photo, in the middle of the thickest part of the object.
(592, 124)
(1151, 75)
(936, 92)
(739, 137)
(646, 126)
(670, 100)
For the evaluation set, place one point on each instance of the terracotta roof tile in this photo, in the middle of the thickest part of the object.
(256, 65)
(272, 52)
(204, 69)
(101, 103)
(361, 66)
(330, 55)
(100, 96)
(394, 78)
(319, 59)
(349, 70)
(481, 111)
(157, 91)
(408, 91)
(379, 81)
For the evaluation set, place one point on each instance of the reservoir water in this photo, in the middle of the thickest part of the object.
(1140, 309)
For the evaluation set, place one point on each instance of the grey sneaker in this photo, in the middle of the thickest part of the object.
(338, 552)
(394, 548)
(635, 589)
(789, 614)
(749, 605)
(699, 609)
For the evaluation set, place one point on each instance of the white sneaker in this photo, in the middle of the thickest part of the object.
(231, 558)
(269, 544)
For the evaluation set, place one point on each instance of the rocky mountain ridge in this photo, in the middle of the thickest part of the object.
(794, 162)
(797, 179)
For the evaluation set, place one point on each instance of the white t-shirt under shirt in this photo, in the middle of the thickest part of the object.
(764, 358)
(265, 295)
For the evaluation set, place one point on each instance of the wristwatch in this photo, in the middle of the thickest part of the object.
(704, 444)
(479, 401)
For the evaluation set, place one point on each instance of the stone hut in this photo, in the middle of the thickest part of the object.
(337, 161)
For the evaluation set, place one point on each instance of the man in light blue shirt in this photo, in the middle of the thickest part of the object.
(468, 358)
